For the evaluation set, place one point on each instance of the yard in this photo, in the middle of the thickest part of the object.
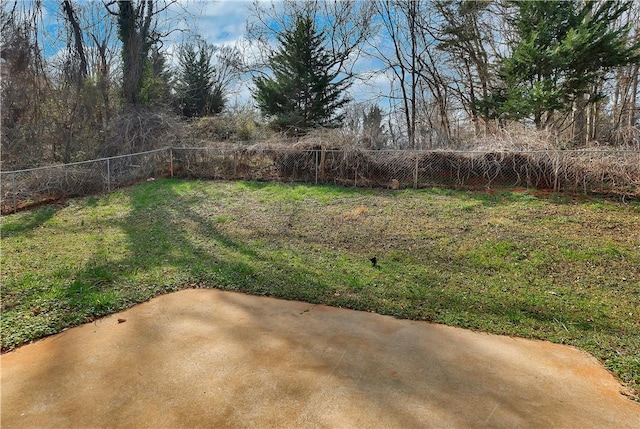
(519, 263)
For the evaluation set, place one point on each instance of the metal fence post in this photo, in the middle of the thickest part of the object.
(415, 174)
(171, 161)
(15, 192)
(316, 151)
(108, 176)
(556, 169)
(235, 163)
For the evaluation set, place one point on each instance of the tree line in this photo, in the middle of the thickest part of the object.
(447, 72)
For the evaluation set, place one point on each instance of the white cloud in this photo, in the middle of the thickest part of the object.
(222, 21)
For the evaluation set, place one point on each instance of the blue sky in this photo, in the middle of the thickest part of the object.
(220, 22)
(224, 22)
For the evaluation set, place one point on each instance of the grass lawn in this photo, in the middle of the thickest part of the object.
(554, 268)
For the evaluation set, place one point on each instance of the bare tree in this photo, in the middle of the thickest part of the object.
(397, 19)
(24, 85)
(74, 23)
(138, 30)
(625, 90)
(102, 56)
(410, 57)
(465, 31)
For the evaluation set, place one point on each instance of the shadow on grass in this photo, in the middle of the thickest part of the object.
(26, 221)
(171, 246)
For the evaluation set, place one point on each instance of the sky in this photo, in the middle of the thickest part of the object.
(223, 22)
(219, 22)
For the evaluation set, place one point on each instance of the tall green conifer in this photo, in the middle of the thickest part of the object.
(197, 92)
(304, 91)
(564, 50)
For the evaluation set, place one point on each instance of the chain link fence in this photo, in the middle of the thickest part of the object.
(592, 171)
(24, 188)
(595, 171)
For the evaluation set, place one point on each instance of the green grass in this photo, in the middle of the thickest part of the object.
(556, 268)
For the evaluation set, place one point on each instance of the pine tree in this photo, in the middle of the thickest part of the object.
(197, 92)
(157, 77)
(304, 91)
(373, 128)
(564, 51)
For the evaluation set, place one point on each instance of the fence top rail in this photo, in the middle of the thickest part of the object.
(414, 151)
(285, 149)
(46, 167)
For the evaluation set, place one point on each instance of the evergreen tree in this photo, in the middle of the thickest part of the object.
(197, 91)
(305, 91)
(564, 51)
(373, 128)
(156, 85)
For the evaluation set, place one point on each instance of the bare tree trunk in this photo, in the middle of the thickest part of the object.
(580, 125)
(412, 33)
(595, 115)
(77, 36)
(588, 122)
(438, 87)
(472, 101)
(134, 25)
(103, 79)
(633, 101)
(616, 98)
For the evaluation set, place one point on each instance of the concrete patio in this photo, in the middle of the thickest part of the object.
(208, 358)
